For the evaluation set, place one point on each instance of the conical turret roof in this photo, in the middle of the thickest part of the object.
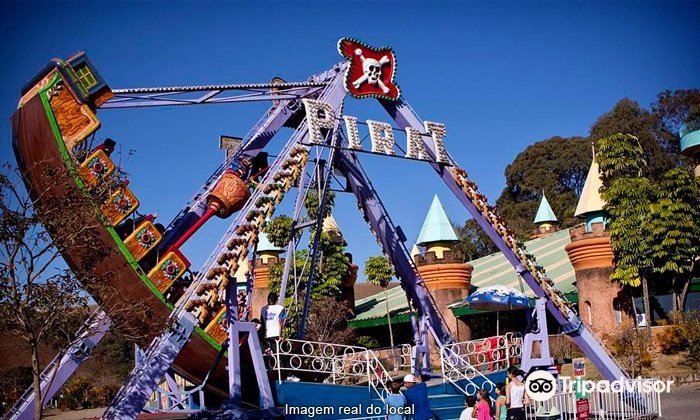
(544, 212)
(436, 227)
(590, 200)
(330, 226)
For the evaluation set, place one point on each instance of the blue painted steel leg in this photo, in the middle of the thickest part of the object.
(63, 366)
(540, 335)
(387, 233)
(161, 354)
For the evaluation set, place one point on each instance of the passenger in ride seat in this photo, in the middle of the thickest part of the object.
(128, 226)
(151, 259)
(258, 167)
(106, 146)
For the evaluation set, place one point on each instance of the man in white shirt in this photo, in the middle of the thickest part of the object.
(272, 316)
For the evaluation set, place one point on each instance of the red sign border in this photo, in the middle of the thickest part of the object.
(378, 50)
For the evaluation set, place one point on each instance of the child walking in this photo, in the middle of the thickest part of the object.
(482, 411)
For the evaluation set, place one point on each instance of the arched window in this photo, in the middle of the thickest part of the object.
(617, 310)
(590, 312)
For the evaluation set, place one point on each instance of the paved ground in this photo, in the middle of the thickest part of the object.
(92, 413)
(683, 403)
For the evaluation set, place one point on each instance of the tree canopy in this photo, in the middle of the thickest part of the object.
(557, 166)
(473, 242)
(654, 138)
(378, 270)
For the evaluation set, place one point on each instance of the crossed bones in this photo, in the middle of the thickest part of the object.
(372, 71)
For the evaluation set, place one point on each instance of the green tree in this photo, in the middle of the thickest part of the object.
(630, 118)
(278, 230)
(332, 265)
(379, 271)
(674, 231)
(473, 241)
(628, 195)
(673, 109)
(556, 165)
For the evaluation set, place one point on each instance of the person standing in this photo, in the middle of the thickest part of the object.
(516, 398)
(273, 317)
(417, 396)
(469, 403)
(395, 402)
(482, 411)
(501, 408)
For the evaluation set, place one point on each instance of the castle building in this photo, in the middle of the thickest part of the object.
(545, 220)
(268, 255)
(443, 270)
(603, 304)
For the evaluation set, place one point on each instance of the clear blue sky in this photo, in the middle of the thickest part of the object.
(499, 75)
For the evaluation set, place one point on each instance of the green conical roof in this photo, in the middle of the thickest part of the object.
(436, 227)
(264, 244)
(545, 213)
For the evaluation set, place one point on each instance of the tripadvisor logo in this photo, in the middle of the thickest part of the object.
(540, 385)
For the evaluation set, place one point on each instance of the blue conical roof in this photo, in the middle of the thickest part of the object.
(264, 244)
(545, 213)
(436, 227)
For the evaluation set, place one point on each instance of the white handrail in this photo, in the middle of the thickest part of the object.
(338, 360)
(456, 364)
(448, 357)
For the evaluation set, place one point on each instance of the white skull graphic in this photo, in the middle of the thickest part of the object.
(372, 71)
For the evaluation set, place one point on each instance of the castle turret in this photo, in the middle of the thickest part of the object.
(446, 274)
(347, 286)
(545, 220)
(268, 255)
(603, 304)
(690, 138)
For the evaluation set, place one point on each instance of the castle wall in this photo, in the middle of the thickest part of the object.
(603, 304)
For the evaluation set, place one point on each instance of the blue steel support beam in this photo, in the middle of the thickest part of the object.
(63, 366)
(255, 141)
(381, 223)
(161, 354)
(405, 116)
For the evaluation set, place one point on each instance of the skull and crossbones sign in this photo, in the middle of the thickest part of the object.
(372, 71)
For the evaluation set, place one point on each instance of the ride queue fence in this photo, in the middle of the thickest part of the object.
(601, 405)
(340, 364)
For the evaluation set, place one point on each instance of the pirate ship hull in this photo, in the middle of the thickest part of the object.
(50, 120)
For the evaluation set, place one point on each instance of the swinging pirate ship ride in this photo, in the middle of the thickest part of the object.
(53, 128)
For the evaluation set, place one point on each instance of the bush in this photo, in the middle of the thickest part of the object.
(631, 348)
(671, 340)
(367, 342)
(562, 347)
(74, 394)
(690, 329)
(100, 396)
